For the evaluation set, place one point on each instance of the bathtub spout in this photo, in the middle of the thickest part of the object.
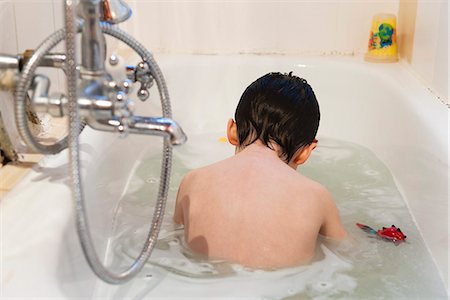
(158, 126)
(142, 125)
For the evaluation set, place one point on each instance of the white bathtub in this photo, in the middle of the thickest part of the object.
(383, 107)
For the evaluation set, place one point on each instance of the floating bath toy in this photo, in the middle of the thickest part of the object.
(392, 233)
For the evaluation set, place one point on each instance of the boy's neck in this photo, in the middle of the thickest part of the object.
(258, 147)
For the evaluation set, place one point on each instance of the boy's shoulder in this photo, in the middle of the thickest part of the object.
(202, 172)
(311, 184)
(315, 190)
(210, 169)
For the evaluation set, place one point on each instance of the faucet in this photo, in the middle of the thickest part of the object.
(95, 99)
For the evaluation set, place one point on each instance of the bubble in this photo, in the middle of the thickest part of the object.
(152, 180)
(322, 286)
(371, 173)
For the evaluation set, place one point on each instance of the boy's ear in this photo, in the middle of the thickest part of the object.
(232, 133)
(303, 155)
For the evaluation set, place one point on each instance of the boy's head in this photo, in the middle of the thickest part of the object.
(278, 109)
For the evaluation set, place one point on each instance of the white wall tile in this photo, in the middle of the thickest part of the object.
(177, 26)
(34, 21)
(355, 20)
(8, 45)
(147, 23)
(197, 27)
(425, 38)
(440, 72)
(58, 23)
(430, 52)
(58, 11)
(8, 37)
(308, 27)
(247, 27)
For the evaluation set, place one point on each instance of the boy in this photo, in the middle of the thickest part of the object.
(254, 208)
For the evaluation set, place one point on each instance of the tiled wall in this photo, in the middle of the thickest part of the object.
(423, 41)
(8, 44)
(8, 35)
(255, 26)
(406, 23)
(212, 26)
(24, 24)
(430, 49)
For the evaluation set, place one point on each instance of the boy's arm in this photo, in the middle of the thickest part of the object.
(332, 225)
(178, 214)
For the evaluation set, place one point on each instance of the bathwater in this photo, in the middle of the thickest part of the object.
(364, 268)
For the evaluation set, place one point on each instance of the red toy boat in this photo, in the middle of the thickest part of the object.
(392, 233)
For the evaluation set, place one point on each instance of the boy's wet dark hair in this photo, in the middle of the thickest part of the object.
(280, 108)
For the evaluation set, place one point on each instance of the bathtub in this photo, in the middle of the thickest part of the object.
(383, 107)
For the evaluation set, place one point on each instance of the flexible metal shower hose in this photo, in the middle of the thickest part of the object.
(69, 33)
(74, 122)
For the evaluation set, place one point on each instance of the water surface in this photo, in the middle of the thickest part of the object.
(366, 268)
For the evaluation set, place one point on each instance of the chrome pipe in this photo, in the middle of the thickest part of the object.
(55, 105)
(54, 60)
(9, 61)
(41, 86)
(93, 44)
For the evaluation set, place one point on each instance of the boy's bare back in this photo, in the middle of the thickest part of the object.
(255, 210)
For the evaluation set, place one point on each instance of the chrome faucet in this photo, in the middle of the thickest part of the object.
(94, 98)
(104, 104)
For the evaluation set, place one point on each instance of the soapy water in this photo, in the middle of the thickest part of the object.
(363, 267)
